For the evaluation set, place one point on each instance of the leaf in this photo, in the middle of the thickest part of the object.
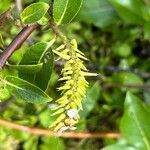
(90, 100)
(30, 69)
(66, 10)
(128, 10)
(127, 78)
(34, 12)
(135, 124)
(100, 13)
(31, 143)
(51, 143)
(38, 53)
(147, 30)
(26, 91)
(1, 41)
(119, 147)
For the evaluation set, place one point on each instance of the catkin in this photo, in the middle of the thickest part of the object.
(74, 88)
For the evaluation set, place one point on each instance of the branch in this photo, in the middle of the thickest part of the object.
(16, 43)
(134, 70)
(19, 5)
(132, 86)
(39, 131)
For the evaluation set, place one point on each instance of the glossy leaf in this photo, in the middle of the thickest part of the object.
(26, 91)
(34, 12)
(66, 10)
(38, 53)
(135, 124)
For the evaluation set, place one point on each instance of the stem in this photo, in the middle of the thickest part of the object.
(39, 131)
(16, 43)
(19, 5)
(54, 26)
(57, 32)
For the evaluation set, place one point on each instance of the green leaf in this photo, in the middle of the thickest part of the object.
(90, 100)
(34, 12)
(66, 10)
(51, 143)
(26, 91)
(31, 143)
(122, 49)
(100, 13)
(119, 147)
(1, 41)
(135, 124)
(128, 10)
(30, 69)
(38, 53)
(147, 30)
(127, 78)
(4, 92)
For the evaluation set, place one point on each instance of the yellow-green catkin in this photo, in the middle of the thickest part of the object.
(74, 88)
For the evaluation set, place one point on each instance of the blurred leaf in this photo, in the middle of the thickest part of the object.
(30, 69)
(45, 117)
(21, 136)
(100, 13)
(4, 94)
(31, 143)
(34, 12)
(1, 41)
(51, 143)
(122, 49)
(90, 100)
(147, 30)
(27, 91)
(127, 9)
(5, 5)
(127, 78)
(66, 10)
(81, 125)
(135, 124)
(3, 134)
(38, 53)
(119, 147)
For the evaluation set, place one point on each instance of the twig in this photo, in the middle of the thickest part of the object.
(132, 86)
(19, 5)
(19, 9)
(44, 132)
(54, 26)
(134, 70)
(16, 43)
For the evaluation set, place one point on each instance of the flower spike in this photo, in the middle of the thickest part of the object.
(74, 88)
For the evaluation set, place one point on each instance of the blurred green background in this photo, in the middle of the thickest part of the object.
(115, 36)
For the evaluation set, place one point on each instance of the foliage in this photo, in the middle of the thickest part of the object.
(114, 36)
